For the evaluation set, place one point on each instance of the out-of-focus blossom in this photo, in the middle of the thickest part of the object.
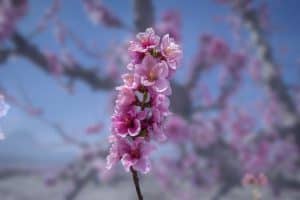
(256, 69)
(170, 24)
(217, 50)
(3, 111)
(33, 111)
(60, 32)
(266, 155)
(54, 65)
(99, 14)
(142, 103)
(104, 174)
(94, 128)
(171, 51)
(176, 129)
(49, 15)
(213, 51)
(51, 180)
(204, 132)
(263, 16)
(10, 13)
(257, 180)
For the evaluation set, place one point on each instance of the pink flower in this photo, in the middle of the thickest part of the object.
(125, 98)
(131, 153)
(161, 103)
(131, 81)
(99, 14)
(146, 41)
(136, 155)
(157, 133)
(127, 123)
(171, 51)
(153, 74)
(115, 152)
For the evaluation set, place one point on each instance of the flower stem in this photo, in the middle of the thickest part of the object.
(135, 179)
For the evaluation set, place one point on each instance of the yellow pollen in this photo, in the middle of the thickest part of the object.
(152, 76)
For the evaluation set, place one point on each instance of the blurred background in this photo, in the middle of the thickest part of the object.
(235, 98)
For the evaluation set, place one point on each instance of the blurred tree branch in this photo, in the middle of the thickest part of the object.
(80, 184)
(270, 74)
(75, 72)
(143, 14)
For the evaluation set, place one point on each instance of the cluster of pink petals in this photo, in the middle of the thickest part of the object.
(99, 14)
(268, 156)
(142, 103)
(257, 180)
(3, 111)
(10, 14)
(171, 24)
(213, 51)
(176, 129)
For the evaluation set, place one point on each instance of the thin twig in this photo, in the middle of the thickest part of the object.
(135, 179)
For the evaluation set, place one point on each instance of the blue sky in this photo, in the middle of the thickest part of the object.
(29, 140)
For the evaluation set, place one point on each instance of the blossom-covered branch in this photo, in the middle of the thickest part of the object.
(142, 103)
(270, 73)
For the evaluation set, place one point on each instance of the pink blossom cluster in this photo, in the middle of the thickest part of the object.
(187, 170)
(253, 179)
(3, 111)
(10, 13)
(213, 50)
(176, 129)
(267, 156)
(99, 14)
(142, 103)
(170, 23)
(262, 9)
(204, 131)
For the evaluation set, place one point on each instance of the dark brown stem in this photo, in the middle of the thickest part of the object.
(135, 179)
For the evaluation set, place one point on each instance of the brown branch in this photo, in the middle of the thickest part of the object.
(10, 173)
(80, 184)
(4, 54)
(271, 77)
(135, 179)
(143, 14)
(31, 52)
(194, 77)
